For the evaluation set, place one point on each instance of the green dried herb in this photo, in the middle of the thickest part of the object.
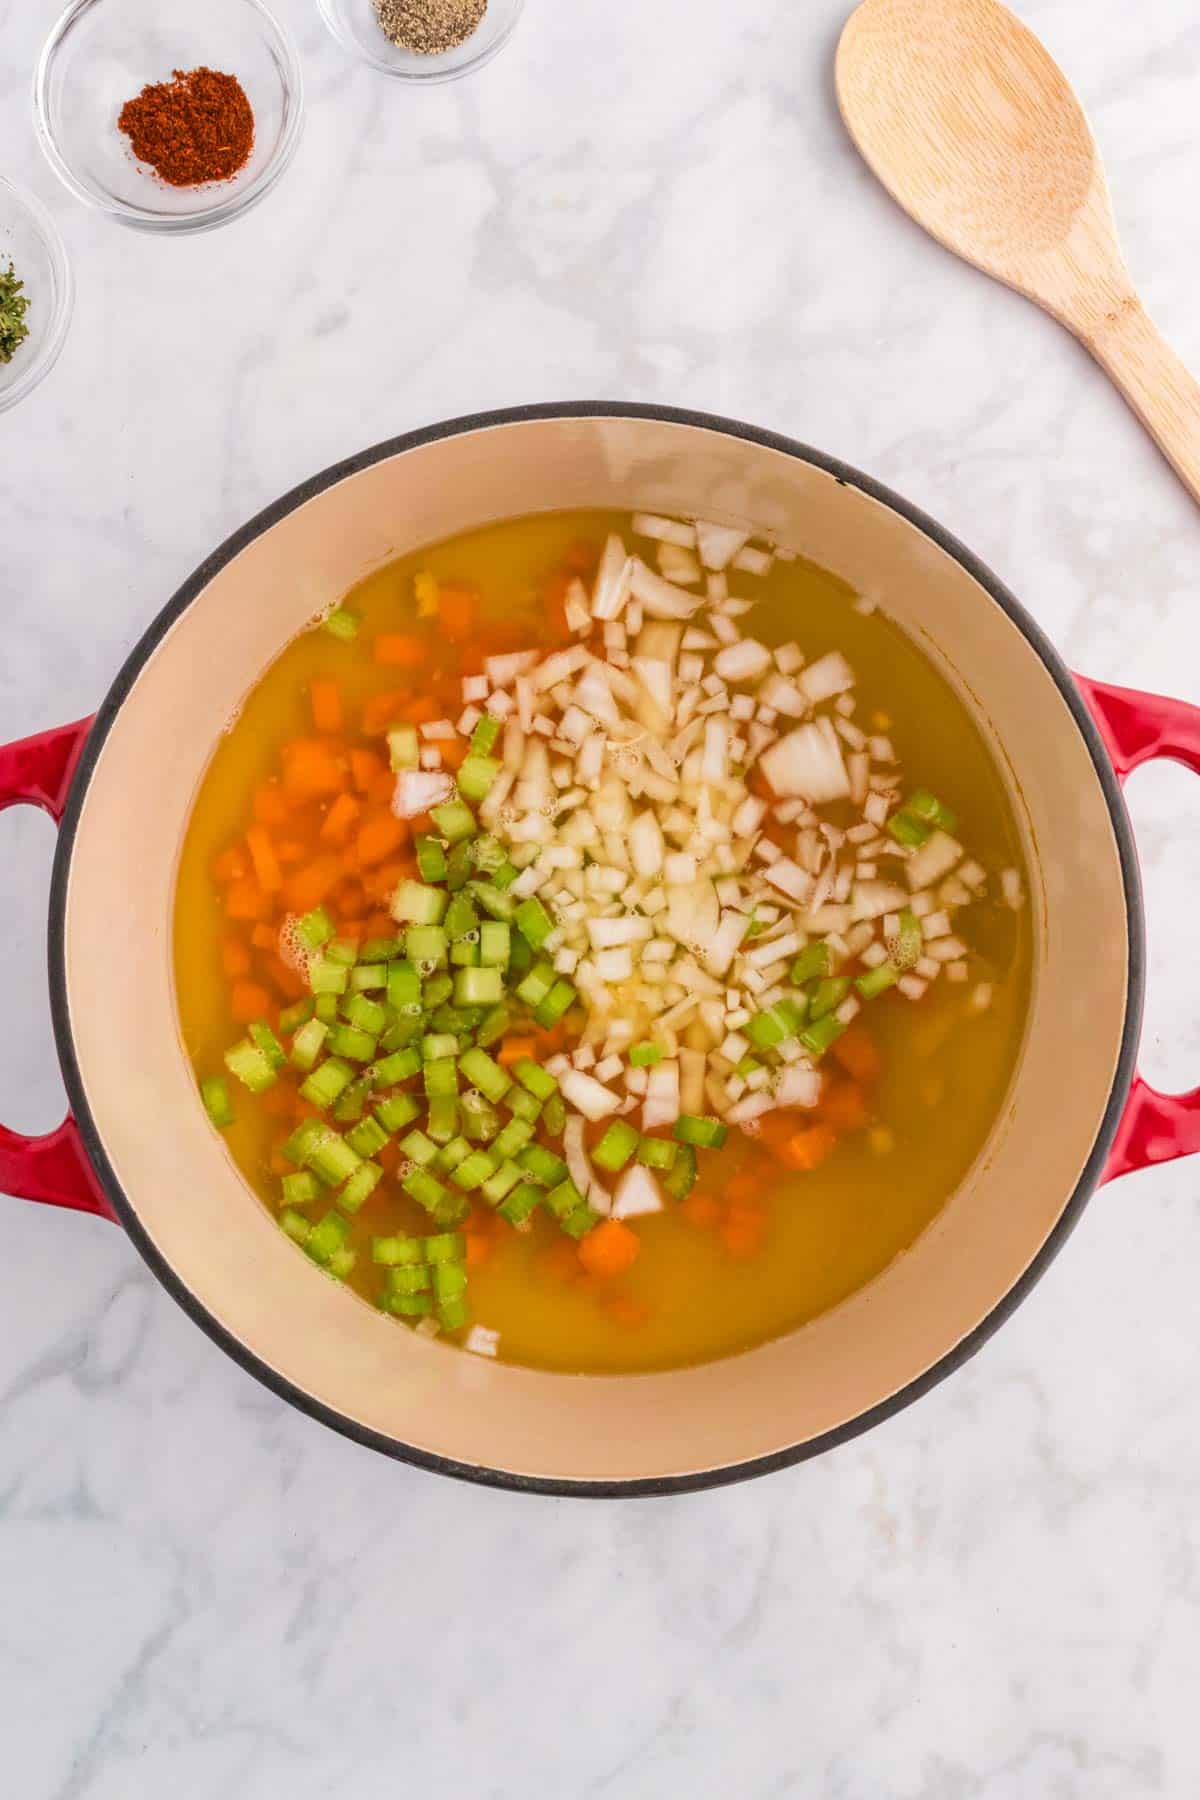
(14, 304)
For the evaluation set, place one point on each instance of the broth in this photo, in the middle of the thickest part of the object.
(702, 1286)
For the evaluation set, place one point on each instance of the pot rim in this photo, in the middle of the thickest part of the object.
(725, 1474)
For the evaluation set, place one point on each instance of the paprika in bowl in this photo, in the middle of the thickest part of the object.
(171, 122)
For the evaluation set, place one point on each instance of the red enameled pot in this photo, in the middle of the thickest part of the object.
(136, 1146)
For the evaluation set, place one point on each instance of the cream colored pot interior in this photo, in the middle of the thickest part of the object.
(219, 1240)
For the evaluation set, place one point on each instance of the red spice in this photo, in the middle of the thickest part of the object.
(198, 127)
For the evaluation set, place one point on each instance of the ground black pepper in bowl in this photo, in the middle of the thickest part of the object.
(429, 27)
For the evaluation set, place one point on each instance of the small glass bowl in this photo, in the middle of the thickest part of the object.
(355, 25)
(104, 52)
(29, 240)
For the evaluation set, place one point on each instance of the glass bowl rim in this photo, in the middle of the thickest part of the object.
(49, 348)
(330, 11)
(144, 218)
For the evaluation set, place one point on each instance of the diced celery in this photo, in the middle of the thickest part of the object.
(522, 1104)
(295, 1225)
(877, 980)
(494, 943)
(540, 1083)
(315, 928)
(341, 623)
(445, 1247)
(367, 1014)
(252, 1066)
(327, 1081)
(367, 1138)
(493, 1026)
(325, 977)
(360, 1187)
(577, 1224)
(351, 1102)
(615, 1147)
(332, 1159)
(307, 1043)
(533, 922)
(554, 1115)
(424, 1188)
(494, 901)
(427, 946)
(403, 986)
(818, 1036)
(449, 1280)
(348, 1040)
(657, 1153)
(441, 1077)
(476, 776)
(368, 977)
(342, 950)
(563, 1198)
(214, 1091)
(541, 1164)
(397, 1111)
(521, 1203)
(559, 1000)
(417, 904)
(438, 1044)
(293, 1017)
(513, 1138)
(404, 748)
(381, 950)
(431, 859)
(501, 1183)
(327, 1236)
(442, 1123)
(484, 1073)
(412, 1278)
(397, 1252)
(645, 1055)
(461, 916)
(708, 1133)
(680, 1178)
(478, 987)
(813, 962)
(419, 1148)
(455, 821)
(474, 1170)
(399, 1066)
(486, 731)
(300, 1189)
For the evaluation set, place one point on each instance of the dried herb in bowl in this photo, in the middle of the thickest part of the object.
(429, 27)
(14, 304)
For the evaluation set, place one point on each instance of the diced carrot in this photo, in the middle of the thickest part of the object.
(381, 789)
(744, 1187)
(700, 1209)
(354, 929)
(382, 710)
(364, 767)
(844, 1107)
(290, 852)
(858, 1054)
(807, 1150)
(231, 865)
(248, 1001)
(743, 1234)
(626, 1311)
(513, 1049)
(265, 937)
(609, 1250)
(270, 806)
(262, 855)
(560, 1262)
(479, 1248)
(400, 650)
(325, 698)
(388, 1156)
(581, 556)
(378, 837)
(380, 925)
(339, 820)
(419, 709)
(287, 980)
(280, 1164)
(309, 886)
(311, 770)
(775, 1128)
(350, 902)
(454, 751)
(235, 958)
(380, 884)
(277, 1101)
(244, 899)
(456, 613)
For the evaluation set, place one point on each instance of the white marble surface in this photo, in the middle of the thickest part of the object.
(997, 1594)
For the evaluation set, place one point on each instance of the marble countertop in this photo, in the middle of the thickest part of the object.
(996, 1595)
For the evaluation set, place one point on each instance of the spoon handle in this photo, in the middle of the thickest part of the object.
(1162, 392)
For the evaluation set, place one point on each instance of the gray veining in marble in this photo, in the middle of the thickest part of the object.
(997, 1595)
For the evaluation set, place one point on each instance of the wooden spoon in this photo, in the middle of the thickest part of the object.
(973, 128)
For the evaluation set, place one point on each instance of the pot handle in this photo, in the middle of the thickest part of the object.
(53, 1168)
(1138, 728)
